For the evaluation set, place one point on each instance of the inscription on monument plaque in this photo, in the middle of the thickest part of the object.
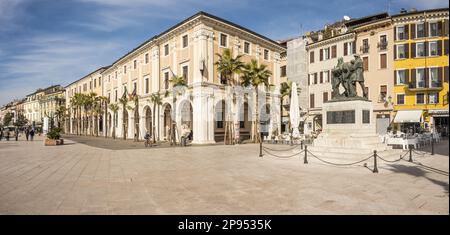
(366, 116)
(338, 117)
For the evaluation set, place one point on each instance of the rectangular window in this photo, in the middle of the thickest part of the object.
(124, 69)
(223, 40)
(433, 48)
(95, 82)
(315, 78)
(146, 86)
(383, 61)
(115, 74)
(146, 58)
(401, 76)
(246, 47)
(420, 49)
(326, 53)
(166, 49)
(283, 71)
(383, 92)
(434, 29)
(135, 64)
(90, 85)
(365, 46)
(311, 57)
(401, 51)
(266, 54)
(311, 100)
(400, 32)
(185, 73)
(420, 98)
(166, 80)
(420, 78)
(115, 96)
(366, 63)
(185, 41)
(420, 30)
(383, 42)
(99, 81)
(433, 98)
(134, 87)
(434, 77)
(333, 51)
(325, 97)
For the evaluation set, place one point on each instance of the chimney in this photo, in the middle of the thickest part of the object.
(403, 11)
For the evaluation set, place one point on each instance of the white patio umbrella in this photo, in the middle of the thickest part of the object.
(294, 112)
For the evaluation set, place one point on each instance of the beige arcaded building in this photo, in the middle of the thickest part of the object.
(188, 49)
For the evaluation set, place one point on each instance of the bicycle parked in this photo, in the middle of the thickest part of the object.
(148, 140)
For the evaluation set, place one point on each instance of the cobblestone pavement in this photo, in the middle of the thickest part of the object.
(79, 179)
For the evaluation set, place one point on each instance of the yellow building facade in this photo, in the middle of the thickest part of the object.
(421, 70)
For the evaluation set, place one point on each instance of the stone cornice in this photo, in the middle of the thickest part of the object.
(331, 40)
(400, 19)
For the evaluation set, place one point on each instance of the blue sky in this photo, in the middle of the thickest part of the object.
(48, 42)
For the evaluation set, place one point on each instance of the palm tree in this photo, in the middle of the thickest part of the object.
(96, 111)
(104, 103)
(88, 105)
(60, 114)
(124, 101)
(177, 81)
(136, 115)
(156, 99)
(114, 108)
(255, 75)
(76, 102)
(227, 66)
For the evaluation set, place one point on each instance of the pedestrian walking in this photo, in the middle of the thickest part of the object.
(1, 133)
(31, 134)
(16, 133)
(7, 134)
(27, 132)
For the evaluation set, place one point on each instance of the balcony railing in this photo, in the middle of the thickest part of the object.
(364, 49)
(433, 86)
(382, 45)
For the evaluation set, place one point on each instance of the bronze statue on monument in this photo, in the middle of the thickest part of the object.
(348, 74)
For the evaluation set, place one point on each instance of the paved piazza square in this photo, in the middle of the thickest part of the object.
(80, 179)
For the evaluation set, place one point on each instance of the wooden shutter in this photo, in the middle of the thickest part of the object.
(395, 77)
(440, 77)
(445, 73)
(345, 48)
(321, 54)
(328, 53)
(311, 100)
(406, 75)
(439, 28)
(406, 29)
(383, 62)
(413, 31)
(309, 79)
(427, 77)
(413, 78)
(321, 77)
(366, 63)
(445, 31)
(311, 57)
(354, 47)
(439, 47)
(413, 50)
(315, 78)
(395, 52)
(333, 51)
(425, 48)
(446, 47)
(328, 76)
(425, 26)
(325, 97)
(395, 33)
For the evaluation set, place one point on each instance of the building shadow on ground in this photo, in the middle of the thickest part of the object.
(421, 171)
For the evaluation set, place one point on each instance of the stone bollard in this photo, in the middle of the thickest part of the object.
(260, 147)
(432, 146)
(305, 159)
(410, 155)
(375, 168)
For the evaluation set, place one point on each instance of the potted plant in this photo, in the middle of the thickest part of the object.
(53, 137)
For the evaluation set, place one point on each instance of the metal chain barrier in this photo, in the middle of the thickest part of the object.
(341, 164)
(296, 146)
(278, 156)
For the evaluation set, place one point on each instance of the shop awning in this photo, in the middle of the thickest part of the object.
(438, 112)
(405, 116)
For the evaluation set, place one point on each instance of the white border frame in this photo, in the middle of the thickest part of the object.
(424, 98)
(249, 48)
(181, 37)
(227, 41)
(396, 98)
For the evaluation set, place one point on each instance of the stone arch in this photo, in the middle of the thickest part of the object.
(219, 120)
(148, 117)
(167, 120)
(185, 112)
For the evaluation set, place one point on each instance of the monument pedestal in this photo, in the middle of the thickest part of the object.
(347, 126)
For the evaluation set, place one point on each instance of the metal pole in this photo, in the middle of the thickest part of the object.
(305, 159)
(260, 146)
(432, 146)
(410, 155)
(375, 168)
(301, 145)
